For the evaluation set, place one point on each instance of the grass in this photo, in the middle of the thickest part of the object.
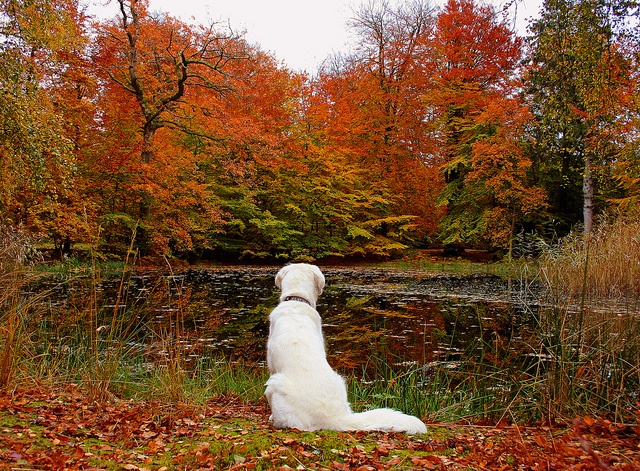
(601, 268)
(111, 359)
(582, 356)
(446, 393)
(591, 332)
(99, 345)
(460, 265)
(15, 250)
(220, 435)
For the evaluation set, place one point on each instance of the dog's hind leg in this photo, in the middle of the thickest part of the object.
(278, 395)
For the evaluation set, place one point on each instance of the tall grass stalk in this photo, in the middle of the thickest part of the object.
(108, 342)
(605, 266)
(445, 392)
(10, 333)
(590, 330)
(17, 250)
(111, 349)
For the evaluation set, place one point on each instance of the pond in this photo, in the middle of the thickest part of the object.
(397, 316)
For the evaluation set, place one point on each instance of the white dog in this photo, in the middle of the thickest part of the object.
(303, 391)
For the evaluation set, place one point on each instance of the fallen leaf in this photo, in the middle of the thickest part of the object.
(541, 441)
(427, 462)
(340, 466)
(79, 453)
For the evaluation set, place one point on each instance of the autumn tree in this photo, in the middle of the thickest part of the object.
(156, 59)
(41, 45)
(158, 63)
(374, 108)
(500, 176)
(390, 49)
(579, 84)
(479, 121)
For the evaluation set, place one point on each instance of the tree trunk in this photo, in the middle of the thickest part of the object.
(148, 132)
(146, 156)
(588, 191)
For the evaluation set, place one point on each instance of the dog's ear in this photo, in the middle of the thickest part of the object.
(319, 280)
(280, 275)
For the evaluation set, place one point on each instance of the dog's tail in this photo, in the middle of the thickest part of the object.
(386, 420)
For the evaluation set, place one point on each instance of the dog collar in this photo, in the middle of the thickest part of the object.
(296, 298)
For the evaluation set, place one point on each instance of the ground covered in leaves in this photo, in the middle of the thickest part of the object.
(58, 430)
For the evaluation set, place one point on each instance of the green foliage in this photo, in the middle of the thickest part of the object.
(463, 223)
(580, 88)
(306, 209)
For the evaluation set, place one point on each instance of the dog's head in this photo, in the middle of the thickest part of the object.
(300, 279)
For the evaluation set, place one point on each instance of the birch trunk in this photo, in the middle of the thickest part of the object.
(588, 191)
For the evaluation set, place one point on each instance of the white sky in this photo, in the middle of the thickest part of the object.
(300, 33)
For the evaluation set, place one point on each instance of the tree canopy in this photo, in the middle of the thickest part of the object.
(443, 127)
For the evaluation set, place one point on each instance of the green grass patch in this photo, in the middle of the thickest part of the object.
(469, 264)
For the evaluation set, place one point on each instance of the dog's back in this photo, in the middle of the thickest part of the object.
(295, 338)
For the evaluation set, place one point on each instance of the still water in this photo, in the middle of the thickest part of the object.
(397, 315)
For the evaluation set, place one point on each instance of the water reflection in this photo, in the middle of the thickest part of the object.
(397, 316)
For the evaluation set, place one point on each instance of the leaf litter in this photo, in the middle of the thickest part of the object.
(49, 429)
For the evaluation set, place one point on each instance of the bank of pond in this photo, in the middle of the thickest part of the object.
(446, 347)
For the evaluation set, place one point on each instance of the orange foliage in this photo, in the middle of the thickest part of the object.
(198, 100)
(185, 134)
(379, 123)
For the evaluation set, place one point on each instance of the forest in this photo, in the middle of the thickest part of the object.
(443, 128)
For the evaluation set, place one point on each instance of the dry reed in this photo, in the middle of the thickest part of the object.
(17, 249)
(603, 267)
(590, 329)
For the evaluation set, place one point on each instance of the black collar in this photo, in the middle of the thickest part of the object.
(297, 298)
